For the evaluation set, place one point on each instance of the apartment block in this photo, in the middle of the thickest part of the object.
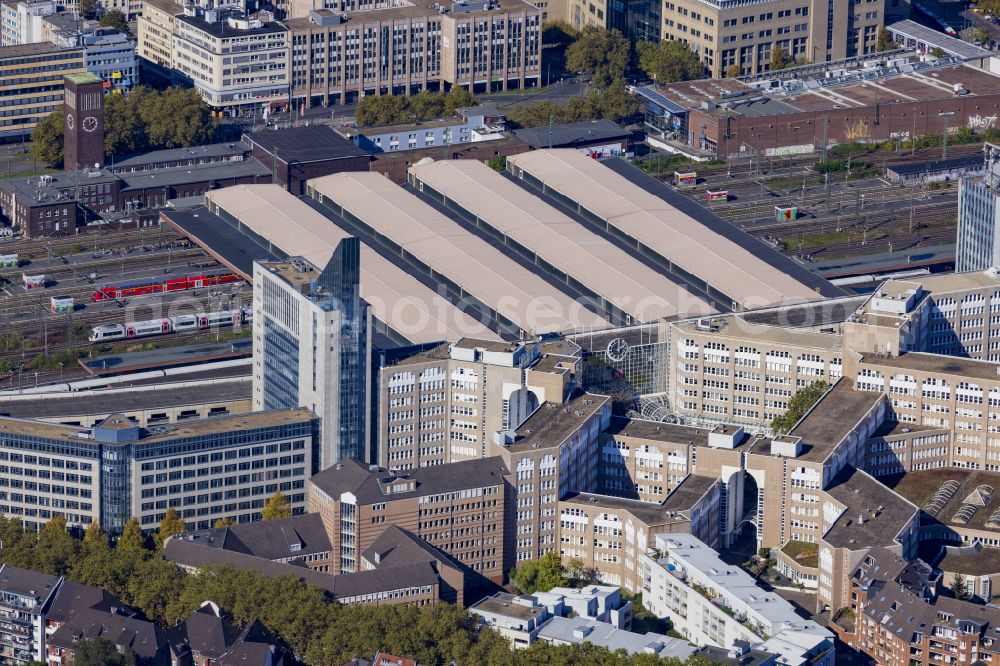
(404, 47)
(205, 469)
(238, 63)
(610, 535)
(444, 405)
(311, 342)
(713, 603)
(553, 453)
(896, 616)
(25, 599)
(31, 84)
(21, 21)
(458, 508)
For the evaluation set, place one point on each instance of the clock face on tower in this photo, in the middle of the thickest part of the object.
(69, 120)
(89, 124)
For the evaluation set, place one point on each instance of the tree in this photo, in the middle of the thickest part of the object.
(170, 525)
(733, 71)
(87, 8)
(936, 52)
(132, 539)
(457, 98)
(980, 35)
(614, 102)
(47, 139)
(801, 402)
(559, 34)
(959, 589)
(884, 41)
(601, 54)
(376, 110)
(426, 105)
(114, 18)
(223, 522)
(101, 652)
(540, 575)
(497, 163)
(276, 507)
(124, 131)
(175, 117)
(779, 59)
(57, 550)
(669, 61)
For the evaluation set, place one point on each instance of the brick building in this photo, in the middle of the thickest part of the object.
(458, 508)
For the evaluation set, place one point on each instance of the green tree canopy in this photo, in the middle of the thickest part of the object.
(602, 54)
(801, 402)
(559, 34)
(277, 507)
(669, 61)
(779, 59)
(884, 41)
(497, 163)
(101, 652)
(613, 102)
(223, 522)
(47, 139)
(733, 71)
(170, 525)
(959, 589)
(87, 8)
(114, 18)
(457, 98)
(374, 110)
(57, 550)
(540, 575)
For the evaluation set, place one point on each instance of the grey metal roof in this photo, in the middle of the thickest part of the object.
(367, 486)
(314, 143)
(564, 630)
(174, 154)
(76, 404)
(569, 135)
(948, 44)
(284, 538)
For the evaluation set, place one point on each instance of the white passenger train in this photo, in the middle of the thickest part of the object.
(168, 325)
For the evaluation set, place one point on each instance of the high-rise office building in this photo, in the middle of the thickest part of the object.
(978, 244)
(311, 345)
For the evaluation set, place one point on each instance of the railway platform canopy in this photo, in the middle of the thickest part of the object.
(626, 288)
(284, 226)
(469, 268)
(683, 239)
(166, 357)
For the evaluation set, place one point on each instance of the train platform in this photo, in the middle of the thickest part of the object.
(167, 357)
(935, 258)
(219, 239)
(234, 393)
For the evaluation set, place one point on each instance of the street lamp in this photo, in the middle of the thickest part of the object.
(944, 146)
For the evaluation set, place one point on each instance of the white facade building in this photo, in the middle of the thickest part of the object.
(311, 342)
(22, 21)
(713, 603)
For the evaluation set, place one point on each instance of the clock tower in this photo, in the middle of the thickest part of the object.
(83, 122)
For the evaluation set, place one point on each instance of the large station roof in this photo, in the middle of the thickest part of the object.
(398, 299)
(557, 239)
(676, 236)
(447, 249)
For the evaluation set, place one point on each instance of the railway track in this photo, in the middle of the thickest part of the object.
(105, 240)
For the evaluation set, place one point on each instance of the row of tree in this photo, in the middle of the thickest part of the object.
(143, 119)
(375, 110)
(318, 630)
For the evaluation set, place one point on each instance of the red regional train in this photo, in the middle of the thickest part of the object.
(163, 285)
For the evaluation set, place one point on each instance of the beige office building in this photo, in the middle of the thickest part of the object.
(238, 63)
(404, 47)
(727, 33)
(444, 405)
